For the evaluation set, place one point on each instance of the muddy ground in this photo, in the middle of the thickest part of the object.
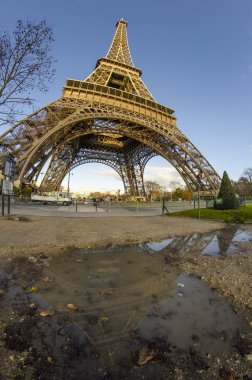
(28, 355)
(56, 232)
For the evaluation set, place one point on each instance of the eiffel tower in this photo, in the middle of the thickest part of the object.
(109, 118)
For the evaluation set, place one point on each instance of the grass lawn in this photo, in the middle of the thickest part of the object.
(240, 215)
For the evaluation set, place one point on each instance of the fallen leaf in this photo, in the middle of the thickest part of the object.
(1, 292)
(144, 356)
(46, 313)
(34, 289)
(248, 357)
(108, 292)
(72, 306)
(104, 320)
(49, 359)
(47, 279)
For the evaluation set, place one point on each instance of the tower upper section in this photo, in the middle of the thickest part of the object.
(114, 74)
(119, 49)
(116, 70)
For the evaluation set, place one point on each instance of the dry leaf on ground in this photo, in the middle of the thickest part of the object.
(46, 313)
(72, 306)
(107, 292)
(144, 356)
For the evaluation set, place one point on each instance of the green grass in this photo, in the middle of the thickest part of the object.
(240, 215)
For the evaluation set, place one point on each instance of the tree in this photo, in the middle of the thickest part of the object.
(153, 189)
(25, 64)
(173, 185)
(178, 194)
(248, 174)
(243, 187)
(96, 194)
(188, 194)
(226, 193)
(226, 188)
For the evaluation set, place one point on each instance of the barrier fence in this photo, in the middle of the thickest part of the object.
(25, 205)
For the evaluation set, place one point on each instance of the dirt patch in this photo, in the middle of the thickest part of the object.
(230, 276)
(52, 233)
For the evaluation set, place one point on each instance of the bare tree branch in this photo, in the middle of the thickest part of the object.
(248, 174)
(25, 64)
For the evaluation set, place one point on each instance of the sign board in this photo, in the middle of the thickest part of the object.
(7, 187)
(9, 167)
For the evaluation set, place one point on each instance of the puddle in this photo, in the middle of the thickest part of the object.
(112, 289)
(214, 243)
(192, 316)
(158, 246)
(243, 235)
(114, 310)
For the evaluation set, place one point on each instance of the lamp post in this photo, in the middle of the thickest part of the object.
(199, 177)
(68, 185)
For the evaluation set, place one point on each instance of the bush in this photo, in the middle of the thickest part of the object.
(228, 219)
(228, 203)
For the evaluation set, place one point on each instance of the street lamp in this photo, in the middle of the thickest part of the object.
(68, 186)
(199, 178)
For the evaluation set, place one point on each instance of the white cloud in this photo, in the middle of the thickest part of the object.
(162, 175)
(109, 172)
(89, 189)
(106, 179)
(250, 146)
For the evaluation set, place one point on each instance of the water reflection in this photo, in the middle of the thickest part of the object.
(213, 243)
(192, 316)
(126, 293)
(112, 290)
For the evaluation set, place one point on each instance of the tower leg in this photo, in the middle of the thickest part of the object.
(132, 171)
(59, 166)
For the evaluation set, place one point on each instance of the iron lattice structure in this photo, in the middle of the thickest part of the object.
(111, 118)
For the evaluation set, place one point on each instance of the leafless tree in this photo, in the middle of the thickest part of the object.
(25, 65)
(248, 174)
(243, 186)
(153, 188)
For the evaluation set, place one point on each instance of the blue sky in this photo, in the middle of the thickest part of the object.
(195, 55)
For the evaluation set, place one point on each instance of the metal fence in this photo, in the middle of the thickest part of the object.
(23, 205)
